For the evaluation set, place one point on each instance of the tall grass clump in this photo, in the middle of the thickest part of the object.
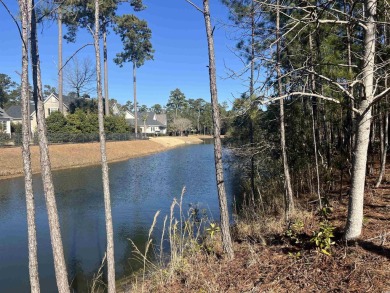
(98, 285)
(184, 235)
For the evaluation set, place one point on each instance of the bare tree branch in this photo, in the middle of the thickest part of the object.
(16, 22)
(74, 54)
(196, 7)
(80, 76)
(332, 82)
(306, 95)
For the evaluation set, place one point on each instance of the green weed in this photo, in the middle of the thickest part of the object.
(322, 238)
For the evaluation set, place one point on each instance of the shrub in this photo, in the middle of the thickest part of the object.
(4, 138)
(56, 122)
(115, 124)
(16, 128)
(322, 238)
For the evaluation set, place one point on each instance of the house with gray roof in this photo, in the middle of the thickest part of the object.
(149, 122)
(15, 111)
(51, 104)
(5, 122)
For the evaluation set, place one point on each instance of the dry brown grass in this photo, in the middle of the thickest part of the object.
(182, 230)
(64, 156)
(276, 266)
(267, 260)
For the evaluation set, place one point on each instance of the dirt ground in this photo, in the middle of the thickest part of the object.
(64, 156)
(277, 264)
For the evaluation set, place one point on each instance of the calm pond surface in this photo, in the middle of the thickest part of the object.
(139, 187)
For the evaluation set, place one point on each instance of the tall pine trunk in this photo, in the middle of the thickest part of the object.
(384, 142)
(106, 97)
(289, 200)
(226, 238)
(60, 75)
(351, 113)
(54, 224)
(314, 112)
(198, 123)
(103, 153)
(31, 228)
(384, 129)
(144, 128)
(251, 92)
(135, 100)
(355, 208)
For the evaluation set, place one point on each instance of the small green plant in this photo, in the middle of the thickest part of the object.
(196, 215)
(326, 211)
(322, 238)
(365, 220)
(213, 229)
(294, 230)
(295, 254)
(210, 242)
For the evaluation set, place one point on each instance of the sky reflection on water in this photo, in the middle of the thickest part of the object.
(139, 187)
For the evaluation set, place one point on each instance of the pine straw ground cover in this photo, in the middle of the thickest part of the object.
(267, 260)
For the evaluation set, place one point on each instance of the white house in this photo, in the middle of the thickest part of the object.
(5, 122)
(115, 109)
(50, 104)
(152, 122)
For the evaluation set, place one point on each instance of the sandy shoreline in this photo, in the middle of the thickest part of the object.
(67, 156)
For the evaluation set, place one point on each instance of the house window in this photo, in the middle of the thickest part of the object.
(51, 110)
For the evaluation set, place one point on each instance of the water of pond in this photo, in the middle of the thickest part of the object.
(139, 187)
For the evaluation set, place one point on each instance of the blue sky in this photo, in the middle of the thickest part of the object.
(180, 59)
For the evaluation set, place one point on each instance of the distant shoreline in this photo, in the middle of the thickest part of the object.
(67, 156)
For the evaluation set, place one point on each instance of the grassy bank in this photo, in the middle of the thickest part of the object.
(66, 156)
(308, 255)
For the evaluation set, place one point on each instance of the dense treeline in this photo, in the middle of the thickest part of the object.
(192, 115)
(324, 78)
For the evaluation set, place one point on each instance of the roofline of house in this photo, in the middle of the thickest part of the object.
(51, 94)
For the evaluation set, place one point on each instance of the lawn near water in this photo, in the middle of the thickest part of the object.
(64, 156)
